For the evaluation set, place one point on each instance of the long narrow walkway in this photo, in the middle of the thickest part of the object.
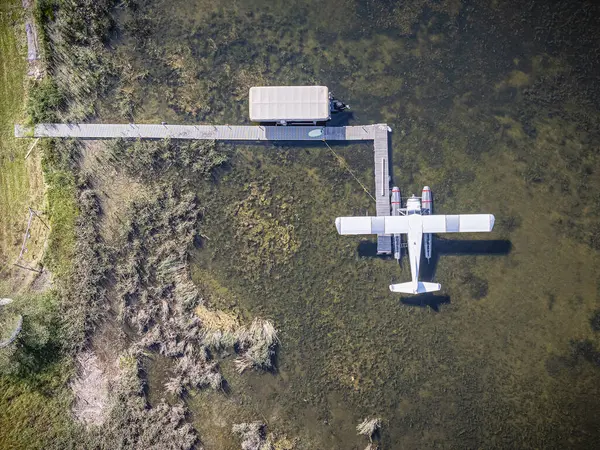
(217, 132)
(382, 185)
(377, 133)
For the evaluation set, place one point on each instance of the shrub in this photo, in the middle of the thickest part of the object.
(253, 436)
(37, 344)
(44, 101)
(85, 301)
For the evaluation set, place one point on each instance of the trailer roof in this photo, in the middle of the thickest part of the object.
(290, 103)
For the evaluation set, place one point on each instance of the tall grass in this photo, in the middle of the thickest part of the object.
(369, 427)
(253, 436)
(76, 34)
(156, 293)
(148, 160)
(158, 297)
(257, 345)
(131, 423)
(44, 101)
(85, 295)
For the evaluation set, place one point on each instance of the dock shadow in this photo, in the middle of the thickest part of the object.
(391, 160)
(341, 119)
(367, 249)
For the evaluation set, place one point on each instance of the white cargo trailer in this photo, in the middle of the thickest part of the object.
(285, 104)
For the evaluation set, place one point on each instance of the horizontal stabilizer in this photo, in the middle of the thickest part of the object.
(409, 287)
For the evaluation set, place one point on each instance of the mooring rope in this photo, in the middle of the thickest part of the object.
(341, 160)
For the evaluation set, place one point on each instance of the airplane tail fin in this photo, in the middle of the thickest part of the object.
(412, 288)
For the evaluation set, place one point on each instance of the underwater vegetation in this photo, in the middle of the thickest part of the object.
(483, 111)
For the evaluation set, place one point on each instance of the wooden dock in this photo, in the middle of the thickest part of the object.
(377, 133)
(382, 185)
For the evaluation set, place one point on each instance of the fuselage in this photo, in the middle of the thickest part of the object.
(427, 209)
(414, 237)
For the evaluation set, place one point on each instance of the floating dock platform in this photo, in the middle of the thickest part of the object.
(377, 133)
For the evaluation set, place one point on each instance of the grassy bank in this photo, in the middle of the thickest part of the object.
(34, 398)
(21, 183)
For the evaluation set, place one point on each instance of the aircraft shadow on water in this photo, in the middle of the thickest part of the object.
(441, 247)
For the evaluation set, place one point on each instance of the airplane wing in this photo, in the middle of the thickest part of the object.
(459, 223)
(372, 225)
(437, 223)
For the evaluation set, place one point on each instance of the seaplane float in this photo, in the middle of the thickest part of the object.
(417, 221)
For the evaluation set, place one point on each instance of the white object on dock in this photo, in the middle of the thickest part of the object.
(289, 104)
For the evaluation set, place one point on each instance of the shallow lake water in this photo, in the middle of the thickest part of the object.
(496, 107)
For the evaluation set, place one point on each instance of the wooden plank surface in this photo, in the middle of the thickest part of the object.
(217, 132)
(382, 184)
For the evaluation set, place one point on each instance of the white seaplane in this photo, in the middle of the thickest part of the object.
(417, 222)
